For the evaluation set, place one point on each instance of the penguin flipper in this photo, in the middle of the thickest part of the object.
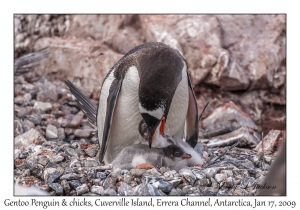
(85, 104)
(111, 103)
(192, 121)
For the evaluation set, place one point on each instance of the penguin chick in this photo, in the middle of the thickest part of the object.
(195, 160)
(165, 140)
(137, 155)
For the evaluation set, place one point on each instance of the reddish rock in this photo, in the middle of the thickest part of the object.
(228, 113)
(121, 32)
(88, 61)
(257, 43)
(269, 142)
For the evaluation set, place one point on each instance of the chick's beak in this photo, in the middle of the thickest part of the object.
(186, 156)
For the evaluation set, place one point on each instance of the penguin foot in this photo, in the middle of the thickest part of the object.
(145, 166)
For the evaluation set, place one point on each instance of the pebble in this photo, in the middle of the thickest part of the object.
(68, 177)
(42, 106)
(91, 152)
(68, 165)
(175, 192)
(59, 190)
(188, 174)
(74, 184)
(35, 118)
(51, 174)
(90, 163)
(77, 119)
(124, 188)
(83, 133)
(51, 132)
(175, 181)
(219, 177)
(58, 159)
(137, 172)
(162, 185)
(66, 186)
(82, 189)
(97, 189)
(110, 192)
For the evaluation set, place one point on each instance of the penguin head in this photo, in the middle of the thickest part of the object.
(154, 136)
(175, 153)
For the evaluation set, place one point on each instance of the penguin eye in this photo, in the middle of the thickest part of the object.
(144, 125)
(177, 154)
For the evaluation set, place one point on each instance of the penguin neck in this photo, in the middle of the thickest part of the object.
(159, 141)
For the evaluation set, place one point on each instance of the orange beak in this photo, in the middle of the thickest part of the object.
(186, 156)
(162, 126)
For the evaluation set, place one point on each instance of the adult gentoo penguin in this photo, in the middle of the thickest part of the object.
(148, 83)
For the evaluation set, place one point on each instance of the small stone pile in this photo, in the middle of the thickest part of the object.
(55, 151)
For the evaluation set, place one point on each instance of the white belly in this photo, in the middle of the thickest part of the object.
(126, 117)
(178, 110)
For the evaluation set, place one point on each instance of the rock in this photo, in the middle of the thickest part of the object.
(219, 177)
(127, 179)
(110, 192)
(97, 189)
(269, 141)
(25, 139)
(91, 152)
(51, 132)
(175, 181)
(210, 172)
(137, 172)
(74, 184)
(202, 182)
(42, 106)
(90, 163)
(57, 159)
(175, 192)
(47, 93)
(154, 172)
(86, 59)
(43, 161)
(124, 189)
(57, 188)
(245, 137)
(228, 173)
(188, 174)
(73, 152)
(34, 118)
(162, 185)
(147, 189)
(61, 134)
(238, 28)
(18, 129)
(170, 174)
(17, 153)
(82, 189)
(101, 175)
(198, 173)
(80, 133)
(68, 177)
(77, 120)
(50, 175)
(66, 186)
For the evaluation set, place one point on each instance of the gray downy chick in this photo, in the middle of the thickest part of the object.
(165, 140)
(139, 155)
(195, 160)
